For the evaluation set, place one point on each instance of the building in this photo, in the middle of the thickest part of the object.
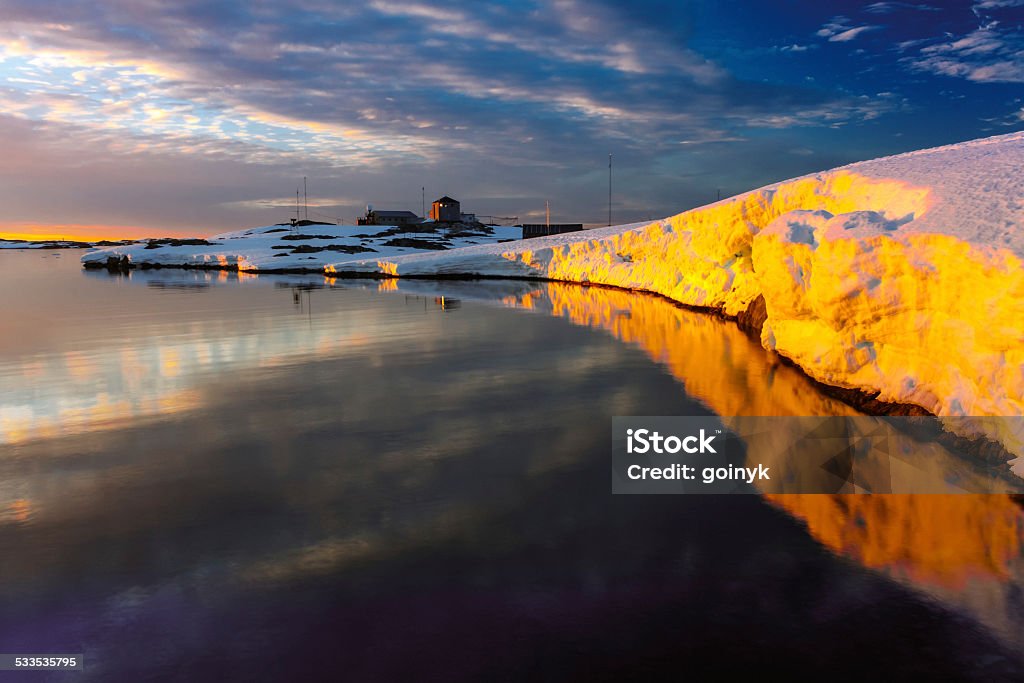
(544, 229)
(377, 217)
(446, 210)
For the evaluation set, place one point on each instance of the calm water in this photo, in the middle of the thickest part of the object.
(204, 477)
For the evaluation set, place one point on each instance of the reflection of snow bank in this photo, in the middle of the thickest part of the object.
(964, 551)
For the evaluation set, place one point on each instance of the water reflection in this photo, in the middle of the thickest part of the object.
(963, 549)
(715, 362)
(151, 367)
(736, 378)
(372, 476)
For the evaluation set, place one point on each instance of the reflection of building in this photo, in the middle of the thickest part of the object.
(375, 217)
(446, 303)
(542, 229)
(446, 210)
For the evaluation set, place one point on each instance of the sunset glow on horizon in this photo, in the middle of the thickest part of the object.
(89, 232)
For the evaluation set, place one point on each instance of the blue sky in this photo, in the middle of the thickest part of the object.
(173, 117)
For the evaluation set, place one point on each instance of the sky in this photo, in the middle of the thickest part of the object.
(128, 118)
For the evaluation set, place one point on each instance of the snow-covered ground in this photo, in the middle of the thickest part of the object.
(900, 276)
(307, 247)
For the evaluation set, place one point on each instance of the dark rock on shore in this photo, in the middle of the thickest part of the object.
(752, 320)
(114, 264)
(343, 248)
(308, 237)
(415, 243)
(301, 224)
(172, 242)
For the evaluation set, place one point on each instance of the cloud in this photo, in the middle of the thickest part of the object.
(997, 4)
(850, 34)
(301, 87)
(890, 7)
(989, 54)
(354, 86)
(288, 203)
(1014, 118)
(859, 108)
(839, 30)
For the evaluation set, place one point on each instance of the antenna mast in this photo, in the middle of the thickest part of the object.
(305, 198)
(547, 213)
